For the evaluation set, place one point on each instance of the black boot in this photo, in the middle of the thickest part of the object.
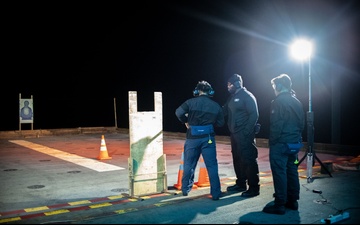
(294, 205)
(274, 209)
(236, 188)
(252, 192)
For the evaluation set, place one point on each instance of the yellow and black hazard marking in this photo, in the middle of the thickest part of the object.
(47, 211)
(42, 211)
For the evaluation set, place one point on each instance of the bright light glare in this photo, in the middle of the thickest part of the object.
(301, 49)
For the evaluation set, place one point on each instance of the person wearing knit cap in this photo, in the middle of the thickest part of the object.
(241, 112)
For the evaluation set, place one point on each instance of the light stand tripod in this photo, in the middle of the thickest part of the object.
(310, 153)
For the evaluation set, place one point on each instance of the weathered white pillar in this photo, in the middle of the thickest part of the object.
(147, 163)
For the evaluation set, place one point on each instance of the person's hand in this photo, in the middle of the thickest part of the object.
(187, 125)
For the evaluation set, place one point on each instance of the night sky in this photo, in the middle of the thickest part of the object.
(75, 58)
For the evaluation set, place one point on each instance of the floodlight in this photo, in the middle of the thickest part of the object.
(302, 50)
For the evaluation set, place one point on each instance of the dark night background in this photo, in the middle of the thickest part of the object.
(75, 58)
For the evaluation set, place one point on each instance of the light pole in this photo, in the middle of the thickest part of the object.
(302, 49)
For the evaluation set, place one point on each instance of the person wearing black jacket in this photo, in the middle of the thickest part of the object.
(242, 115)
(200, 115)
(287, 122)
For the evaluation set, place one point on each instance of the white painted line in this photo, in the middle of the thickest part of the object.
(81, 161)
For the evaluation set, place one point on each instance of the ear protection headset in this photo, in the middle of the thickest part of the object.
(196, 92)
(211, 92)
(206, 88)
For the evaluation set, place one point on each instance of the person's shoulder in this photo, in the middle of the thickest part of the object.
(249, 93)
(189, 100)
(245, 90)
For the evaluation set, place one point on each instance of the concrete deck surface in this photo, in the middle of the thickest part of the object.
(40, 187)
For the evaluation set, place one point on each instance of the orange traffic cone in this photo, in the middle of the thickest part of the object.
(103, 150)
(203, 175)
(180, 174)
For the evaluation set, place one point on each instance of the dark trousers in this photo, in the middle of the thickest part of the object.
(192, 150)
(285, 174)
(244, 154)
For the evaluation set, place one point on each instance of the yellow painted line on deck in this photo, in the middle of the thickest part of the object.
(36, 209)
(105, 204)
(10, 219)
(79, 202)
(79, 160)
(56, 212)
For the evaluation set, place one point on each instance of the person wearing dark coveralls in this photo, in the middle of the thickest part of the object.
(200, 115)
(287, 121)
(242, 114)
